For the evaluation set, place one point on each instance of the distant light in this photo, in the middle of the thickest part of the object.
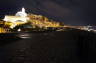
(19, 30)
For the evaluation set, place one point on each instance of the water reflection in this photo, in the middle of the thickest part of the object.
(52, 47)
(24, 35)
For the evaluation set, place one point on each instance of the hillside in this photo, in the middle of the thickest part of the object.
(42, 21)
(34, 20)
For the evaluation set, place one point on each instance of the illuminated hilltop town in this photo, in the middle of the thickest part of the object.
(24, 21)
(21, 17)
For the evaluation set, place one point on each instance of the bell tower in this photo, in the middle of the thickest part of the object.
(23, 10)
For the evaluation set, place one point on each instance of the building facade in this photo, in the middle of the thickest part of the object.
(20, 16)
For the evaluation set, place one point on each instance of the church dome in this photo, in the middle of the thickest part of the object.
(21, 13)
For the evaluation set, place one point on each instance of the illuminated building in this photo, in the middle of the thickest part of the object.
(20, 16)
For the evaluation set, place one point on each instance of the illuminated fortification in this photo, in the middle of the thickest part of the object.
(20, 16)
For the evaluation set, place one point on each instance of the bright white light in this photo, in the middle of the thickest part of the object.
(21, 13)
(19, 30)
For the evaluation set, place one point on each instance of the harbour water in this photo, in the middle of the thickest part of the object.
(49, 47)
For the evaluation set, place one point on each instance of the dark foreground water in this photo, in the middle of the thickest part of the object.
(49, 47)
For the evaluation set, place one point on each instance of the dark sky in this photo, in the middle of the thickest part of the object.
(74, 12)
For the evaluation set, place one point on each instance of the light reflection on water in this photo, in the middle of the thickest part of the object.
(24, 35)
(45, 47)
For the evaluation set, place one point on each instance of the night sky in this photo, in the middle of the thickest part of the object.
(72, 12)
